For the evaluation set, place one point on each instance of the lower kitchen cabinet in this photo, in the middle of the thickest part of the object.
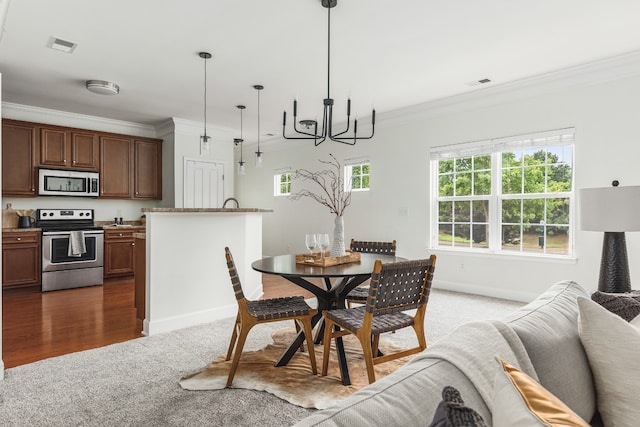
(119, 252)
(21, 259)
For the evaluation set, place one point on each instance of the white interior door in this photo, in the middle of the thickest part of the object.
(203, 184)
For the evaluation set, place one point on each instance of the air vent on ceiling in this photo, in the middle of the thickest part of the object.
(479, 82)
(62, 45)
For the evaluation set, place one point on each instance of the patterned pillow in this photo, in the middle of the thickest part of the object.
(451, 412)
(625, 305)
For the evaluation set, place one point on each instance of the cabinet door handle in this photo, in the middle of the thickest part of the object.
(64, 160)
(74, 162)
(133, 244)
(120, 234)
(18, 239)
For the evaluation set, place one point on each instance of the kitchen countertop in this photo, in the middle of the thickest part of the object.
(140, 236)
(206, 210)
(4, 230)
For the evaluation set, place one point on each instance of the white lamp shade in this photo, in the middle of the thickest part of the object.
(612, 209)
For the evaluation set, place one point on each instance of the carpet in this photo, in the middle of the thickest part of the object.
(294, 382)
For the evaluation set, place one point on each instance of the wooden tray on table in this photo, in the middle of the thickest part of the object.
(316, 259)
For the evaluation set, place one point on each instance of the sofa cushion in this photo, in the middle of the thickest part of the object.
(410, 396)
(548, 328)
(612, 345)
(521, 401)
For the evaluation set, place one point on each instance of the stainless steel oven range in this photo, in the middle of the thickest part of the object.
(72, 248)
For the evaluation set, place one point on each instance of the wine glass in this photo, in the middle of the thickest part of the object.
(323, 242)
(311, 242)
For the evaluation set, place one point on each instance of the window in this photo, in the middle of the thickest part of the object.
(282, 183)
(357, 173)
(509, 195)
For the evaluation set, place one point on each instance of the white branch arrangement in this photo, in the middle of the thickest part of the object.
(332, 193)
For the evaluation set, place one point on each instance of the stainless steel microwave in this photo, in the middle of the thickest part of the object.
(60, 182)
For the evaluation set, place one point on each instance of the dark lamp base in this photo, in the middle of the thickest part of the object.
(614, 267)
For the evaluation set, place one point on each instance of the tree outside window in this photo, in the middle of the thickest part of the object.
(282, 184)
(515, 200)
(357, 175)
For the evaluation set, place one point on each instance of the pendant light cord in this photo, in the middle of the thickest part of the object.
(205, 99)
(328, 51)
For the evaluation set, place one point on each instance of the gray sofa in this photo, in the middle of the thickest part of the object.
(540, 339)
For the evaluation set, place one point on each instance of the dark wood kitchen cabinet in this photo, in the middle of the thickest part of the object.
(19, 141)
(119, 252)
(21, 259)
(131, 168)
(69, 149)
(116, 167)
(147, 169)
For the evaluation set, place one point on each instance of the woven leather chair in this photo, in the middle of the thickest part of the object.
(359, 295)
(251, 313)
(395, 288)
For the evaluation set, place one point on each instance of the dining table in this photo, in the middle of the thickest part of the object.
(336, 282)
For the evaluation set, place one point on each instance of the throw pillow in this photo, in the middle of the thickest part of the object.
(451, 412)
(518, 400)
(613, 350)
(625, 305)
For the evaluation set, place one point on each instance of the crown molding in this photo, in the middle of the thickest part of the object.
(189, 127)
(592, 73)
(57, 117)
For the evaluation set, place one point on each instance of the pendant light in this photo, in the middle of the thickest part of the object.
(240, 141)
(327, 131)
(204, 138)
(259, 153)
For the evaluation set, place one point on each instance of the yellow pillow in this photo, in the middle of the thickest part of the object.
(520, 400)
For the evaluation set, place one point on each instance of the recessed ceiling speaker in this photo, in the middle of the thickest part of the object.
(103, 87)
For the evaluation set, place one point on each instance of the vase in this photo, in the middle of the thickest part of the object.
(337, 248)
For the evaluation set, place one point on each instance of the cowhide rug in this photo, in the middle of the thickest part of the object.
(294, 382)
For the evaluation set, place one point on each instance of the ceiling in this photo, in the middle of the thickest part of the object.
(384, 54)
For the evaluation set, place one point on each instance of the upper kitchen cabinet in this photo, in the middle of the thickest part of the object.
(116, 167)
(147, 169)
(69, 148)
(19, 141)
(130, 168)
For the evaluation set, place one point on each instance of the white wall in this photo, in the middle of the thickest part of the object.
(187, 276)
(604, 115)
(187, 144)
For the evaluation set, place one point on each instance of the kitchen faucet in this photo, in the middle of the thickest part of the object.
(229, 200)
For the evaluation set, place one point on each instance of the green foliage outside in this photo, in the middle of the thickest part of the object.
(285, 183)
(360, 176)
(530, 180)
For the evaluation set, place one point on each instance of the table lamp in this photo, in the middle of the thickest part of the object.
(613, 210)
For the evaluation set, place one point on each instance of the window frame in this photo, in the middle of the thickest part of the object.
(349, 164)
(495, 148)
(277, 182)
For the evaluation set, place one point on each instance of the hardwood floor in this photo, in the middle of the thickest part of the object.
(37, 325)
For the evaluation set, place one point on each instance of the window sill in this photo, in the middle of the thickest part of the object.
(560, 259)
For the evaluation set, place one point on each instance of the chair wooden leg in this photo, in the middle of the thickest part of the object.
(306, 323)
(375, 342)
(234, 336)
(297, 325)
(242, 337)
(328, 327)
(365, 342)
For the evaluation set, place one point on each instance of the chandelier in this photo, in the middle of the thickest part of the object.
(327, 130)
(240, 141)
(204, 139)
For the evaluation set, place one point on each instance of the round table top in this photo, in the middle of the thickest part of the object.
(285, 265)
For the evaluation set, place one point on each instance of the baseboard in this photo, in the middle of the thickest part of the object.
(508, 294)
(159, 326)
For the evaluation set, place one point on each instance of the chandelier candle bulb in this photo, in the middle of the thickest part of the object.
(348, 107)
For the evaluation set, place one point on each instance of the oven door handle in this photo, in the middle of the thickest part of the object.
(66, 233)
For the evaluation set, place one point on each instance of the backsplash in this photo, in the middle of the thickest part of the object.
(104, 209)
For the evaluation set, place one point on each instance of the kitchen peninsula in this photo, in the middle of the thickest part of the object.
(187, 281)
